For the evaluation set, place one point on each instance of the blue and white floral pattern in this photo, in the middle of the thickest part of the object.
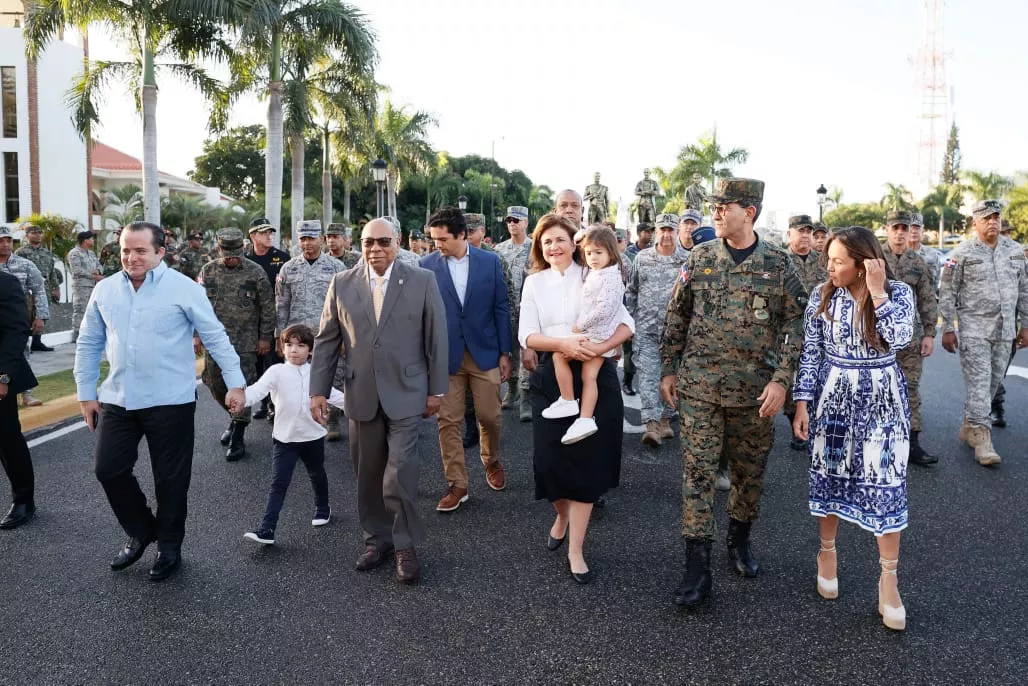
(859, 411)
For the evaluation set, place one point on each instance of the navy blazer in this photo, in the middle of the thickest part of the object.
(14, 335)
(482, 325)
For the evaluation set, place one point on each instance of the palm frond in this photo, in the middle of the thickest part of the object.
(87, 91)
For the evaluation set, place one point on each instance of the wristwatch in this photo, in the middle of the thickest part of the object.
(5, 379)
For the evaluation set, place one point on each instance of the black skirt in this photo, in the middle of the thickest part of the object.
(585, 470)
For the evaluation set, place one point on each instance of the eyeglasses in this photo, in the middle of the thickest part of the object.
(721, 208)
(383, 242)
(513, 220)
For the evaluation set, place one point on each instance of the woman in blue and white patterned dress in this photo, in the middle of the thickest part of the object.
(860, 417)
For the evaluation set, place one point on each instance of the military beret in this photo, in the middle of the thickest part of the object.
(261, 224)
(336, 229)
(702, 234)
(983, 209)
(917, 219)
(798, 221)
(666, 221)
(308, 228)
(230, 241)
(474, 220)
(691, 214)
(899, 217)
(743, 191)
(517, 211)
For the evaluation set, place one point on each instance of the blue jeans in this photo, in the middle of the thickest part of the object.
(284, 457)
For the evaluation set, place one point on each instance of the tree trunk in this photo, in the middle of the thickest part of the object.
(296, 149)
(151, 189)
(32, 73)
(391, 193)
(346, 200)
(88, 137)
(273, 143)
(326, 180)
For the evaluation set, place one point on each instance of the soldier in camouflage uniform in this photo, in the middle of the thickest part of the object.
(932, 257)
(910, 268)
(729, 348)
(46, 263)
(32, 286)
(335, 240)
(192, 259)
(998, 415)
(85, 272)
(811, 272)
(110, 255)
(820, 237)
(241, 296)
(985, 287)
(171, 250)
(650, 281)
(514, 252)
(271, 260)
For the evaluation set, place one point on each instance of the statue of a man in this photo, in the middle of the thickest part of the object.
(695, 196)
(596, 196)
(646, 190)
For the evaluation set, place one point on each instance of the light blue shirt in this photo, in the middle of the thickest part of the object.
(148, 336)
(459, 273)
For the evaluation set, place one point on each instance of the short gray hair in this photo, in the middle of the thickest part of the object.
(393, 221)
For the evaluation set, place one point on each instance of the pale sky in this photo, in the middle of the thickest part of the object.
(818, 91)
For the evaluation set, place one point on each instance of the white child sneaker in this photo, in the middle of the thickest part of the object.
(560, 409)
(581, 428)
(322, 518)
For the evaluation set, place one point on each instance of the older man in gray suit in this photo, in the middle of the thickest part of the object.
(387, 321)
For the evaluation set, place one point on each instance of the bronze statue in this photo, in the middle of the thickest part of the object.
(596, 196)
(646, 190)
(695, 196)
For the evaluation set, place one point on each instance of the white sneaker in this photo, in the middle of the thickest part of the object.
(561, 408)
(724, 483)
(321, 520)
(581, 428)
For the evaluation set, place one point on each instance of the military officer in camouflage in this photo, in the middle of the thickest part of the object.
(271, 260)
(650, 281)
(729, 348)
(192, 259)
(909, 267)
(171, 250)
(985, 287)
(85, 273)
(335, 241)
(820, 237)
(514, 252)
(241, 296)
(110, 255)
(932, 257)
(999, 399)
(46, 263)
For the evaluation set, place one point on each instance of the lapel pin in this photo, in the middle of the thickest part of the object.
(400, 282)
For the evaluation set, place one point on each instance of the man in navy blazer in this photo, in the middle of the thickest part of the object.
(478, 329)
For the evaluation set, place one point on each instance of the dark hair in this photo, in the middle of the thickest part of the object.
(861, 245)
(301, 332)
(536, 261)
(604, 238)
(451, 218)
(156, 232)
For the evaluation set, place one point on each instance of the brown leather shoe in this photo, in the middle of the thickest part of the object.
(407, 568)
(452, 500)
(495, 477)
(373, 557)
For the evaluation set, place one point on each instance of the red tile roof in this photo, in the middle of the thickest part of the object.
(106, 157)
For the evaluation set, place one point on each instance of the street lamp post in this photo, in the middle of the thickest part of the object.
(822, 195)
(462, 202)
(378, 170)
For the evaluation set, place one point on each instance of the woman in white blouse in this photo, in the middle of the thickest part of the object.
(572, 477)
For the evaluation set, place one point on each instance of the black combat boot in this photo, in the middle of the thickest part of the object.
(38, 346)
(998, 419)
(236, 449)
(226, 435)
(262, 411)
(697, 583)
(918, 454)
(739, 548)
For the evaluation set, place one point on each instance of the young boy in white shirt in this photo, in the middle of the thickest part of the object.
(296, 435)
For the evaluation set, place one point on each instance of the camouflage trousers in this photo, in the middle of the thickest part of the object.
(518, 371)
(79, 300)
(213, 380)
(983, 363)
(911, 362)
(646, 350)
(1001, 392)
(745, 438)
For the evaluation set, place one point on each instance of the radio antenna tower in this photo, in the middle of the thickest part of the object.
(934, 118)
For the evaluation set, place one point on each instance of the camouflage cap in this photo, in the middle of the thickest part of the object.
(666, 221)
(198, 235)
(743, 191)
(308, 228)
(517, 211)
(337, 229)
(474, 220)
(899, 217)
(5, 231)
(983, 209)
(916, 219)
(692, 214)
(261, 224)
(29, 227)
(621, 234)
(230, 241)
(798, 221)
(820, 228)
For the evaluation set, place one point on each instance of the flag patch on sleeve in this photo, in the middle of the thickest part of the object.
(950, 263)
(683, 274)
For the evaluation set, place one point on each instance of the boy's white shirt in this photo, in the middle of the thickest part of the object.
(289, 386)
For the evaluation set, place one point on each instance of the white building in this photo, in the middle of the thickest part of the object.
(42, 158)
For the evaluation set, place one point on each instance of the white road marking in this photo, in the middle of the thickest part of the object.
(1018, 371)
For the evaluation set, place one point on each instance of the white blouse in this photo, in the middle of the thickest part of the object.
(551, 301)
(290, 387)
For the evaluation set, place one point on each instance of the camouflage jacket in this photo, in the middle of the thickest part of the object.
(349, 258)
(171, 254)
(300, 290)
(516, 259)
(649, 288)
(190, 262)
(31, 283)
(986, 289)
(911, 269)
(243, 302)
(809, 270)
(110, 258)
(933, 259)
(83, 264)
(730, 329)
(46, 263)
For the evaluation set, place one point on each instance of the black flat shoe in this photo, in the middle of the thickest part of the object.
(17, 515)
(130, 554)
(166, 563)
(583, 578)
(554, 543)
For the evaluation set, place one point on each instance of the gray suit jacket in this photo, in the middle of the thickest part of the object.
(396, 363)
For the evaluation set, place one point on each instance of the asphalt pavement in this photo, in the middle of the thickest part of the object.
(494, 606)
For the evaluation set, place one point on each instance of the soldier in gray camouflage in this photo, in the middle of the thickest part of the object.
(909, 267)
(650, 281)
(998, 400)
(932, 257)
(85, 272)
(241, 296)
(514, 252)
(729, 348)
(192, 259)
(110, 255)
(46, 263)
(985, 287)
(32, 286)
(335, 241)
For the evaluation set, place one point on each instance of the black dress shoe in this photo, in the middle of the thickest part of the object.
(130, 554)
(18, 514)
(41, 348)
(166, 563)
(554, 543)
(627, 389)
(583, 578)
(260, 413)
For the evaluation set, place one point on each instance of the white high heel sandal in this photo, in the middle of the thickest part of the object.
(828, 588)
(893, 617)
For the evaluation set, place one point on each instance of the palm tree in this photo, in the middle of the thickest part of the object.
(122, 206)
(188, 30)
(540, 201)
(987, 186)
(897, 197)
(442, 185)
(706, 158)
(400, 139)
(834, 196)
(282, 42)
(944, 201)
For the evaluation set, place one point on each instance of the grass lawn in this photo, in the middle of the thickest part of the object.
(60, 384)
